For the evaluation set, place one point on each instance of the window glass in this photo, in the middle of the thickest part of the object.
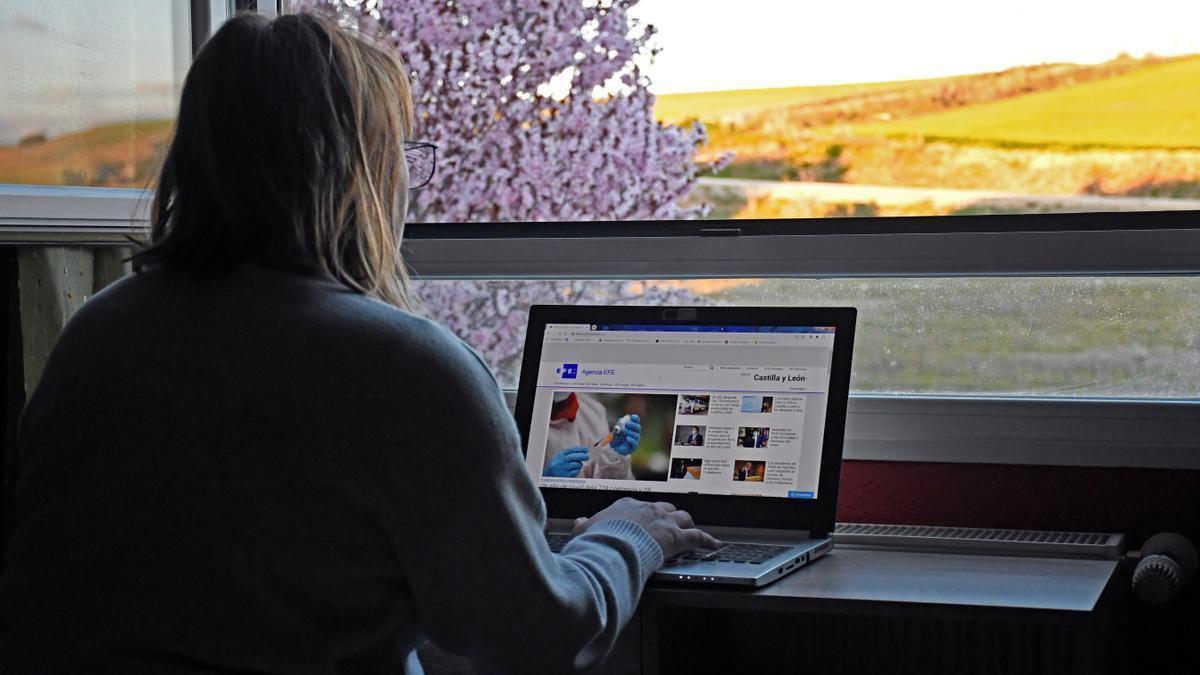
(924, 107)
(89, 90)
(1064, 336)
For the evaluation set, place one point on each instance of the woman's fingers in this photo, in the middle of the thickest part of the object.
(581, 524)
(683, 519)
(696, 538)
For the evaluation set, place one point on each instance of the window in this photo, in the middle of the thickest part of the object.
(1089, 337)
(90, 89)
(841, 109)
(1016, 331)
(913, 110)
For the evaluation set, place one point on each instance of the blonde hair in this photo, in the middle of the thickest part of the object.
(288, 152)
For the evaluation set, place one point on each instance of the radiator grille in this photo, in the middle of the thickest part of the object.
(1100, 545)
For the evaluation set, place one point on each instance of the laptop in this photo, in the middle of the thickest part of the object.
(742, 415)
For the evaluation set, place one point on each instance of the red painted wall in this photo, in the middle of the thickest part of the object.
(1137, 502)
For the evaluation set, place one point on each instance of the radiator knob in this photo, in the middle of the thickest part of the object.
(1168, 562)
(1157, 580)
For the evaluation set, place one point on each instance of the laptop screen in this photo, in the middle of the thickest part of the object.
(714, 410)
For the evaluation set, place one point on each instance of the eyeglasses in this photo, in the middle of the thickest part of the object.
(422, 160)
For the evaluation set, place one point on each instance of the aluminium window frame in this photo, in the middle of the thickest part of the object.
(1162, 242)
(1046, 431)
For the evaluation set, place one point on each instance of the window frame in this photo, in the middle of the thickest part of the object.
(52, 215)
(954, 429)
(1162, 242)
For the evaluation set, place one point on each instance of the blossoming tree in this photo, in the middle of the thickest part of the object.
(540, 112)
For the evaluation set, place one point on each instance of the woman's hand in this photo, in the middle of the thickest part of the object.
(671, 528)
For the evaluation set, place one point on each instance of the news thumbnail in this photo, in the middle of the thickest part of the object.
(686, 468)
(757, 404)
(753, 437)
(693, 404)
(621, 436)
(690, 434)
(749, 470)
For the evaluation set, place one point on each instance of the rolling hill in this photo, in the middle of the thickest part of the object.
(1154, 107)
(787, 111)
(123, 154)
(711, 105)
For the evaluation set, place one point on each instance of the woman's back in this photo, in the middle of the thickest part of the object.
(231, 467)
(217, 495)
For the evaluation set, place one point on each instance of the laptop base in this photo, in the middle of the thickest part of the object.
(796, 550)
(743, 574)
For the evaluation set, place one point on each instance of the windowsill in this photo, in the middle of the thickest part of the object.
(1063, 432)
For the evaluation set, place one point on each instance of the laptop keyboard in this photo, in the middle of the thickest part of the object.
(750, 554)
(557, 540)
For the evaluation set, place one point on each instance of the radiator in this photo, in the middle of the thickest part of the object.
(1096, 545)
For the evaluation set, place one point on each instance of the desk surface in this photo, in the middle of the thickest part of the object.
(854, 574)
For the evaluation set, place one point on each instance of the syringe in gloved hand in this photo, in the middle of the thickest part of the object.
(618, 428)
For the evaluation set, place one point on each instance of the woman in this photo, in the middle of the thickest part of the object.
(225, 460)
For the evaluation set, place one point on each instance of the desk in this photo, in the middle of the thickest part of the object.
(859, 610)
(862, 610)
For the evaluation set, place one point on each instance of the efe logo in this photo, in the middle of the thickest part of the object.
(568, 371)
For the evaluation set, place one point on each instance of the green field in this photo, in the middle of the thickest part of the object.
(710, 105)
(1116, 336)
(1036, 336)
(1156, 107)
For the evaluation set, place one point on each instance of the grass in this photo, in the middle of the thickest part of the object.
(1122, 127)
(1087, 336)
(1154, 107)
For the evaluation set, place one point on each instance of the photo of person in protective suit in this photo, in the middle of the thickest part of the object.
(583, 443)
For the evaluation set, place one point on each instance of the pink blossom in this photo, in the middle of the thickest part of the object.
(513, 149)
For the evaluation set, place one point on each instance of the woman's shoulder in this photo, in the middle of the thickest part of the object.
(400, 346)
(405, 339)
(262, 302)
(374, 321)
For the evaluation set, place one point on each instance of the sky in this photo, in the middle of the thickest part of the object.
(73, 64)
(734, 44)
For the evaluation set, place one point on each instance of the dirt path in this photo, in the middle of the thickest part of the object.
(940, 200)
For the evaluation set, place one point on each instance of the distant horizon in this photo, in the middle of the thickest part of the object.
(1185, 55)
(78, 70)
(1196, 54)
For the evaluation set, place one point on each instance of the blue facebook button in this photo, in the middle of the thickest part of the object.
(569, 371)
(798, 494)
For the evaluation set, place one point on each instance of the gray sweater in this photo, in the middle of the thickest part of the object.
(270, 473)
